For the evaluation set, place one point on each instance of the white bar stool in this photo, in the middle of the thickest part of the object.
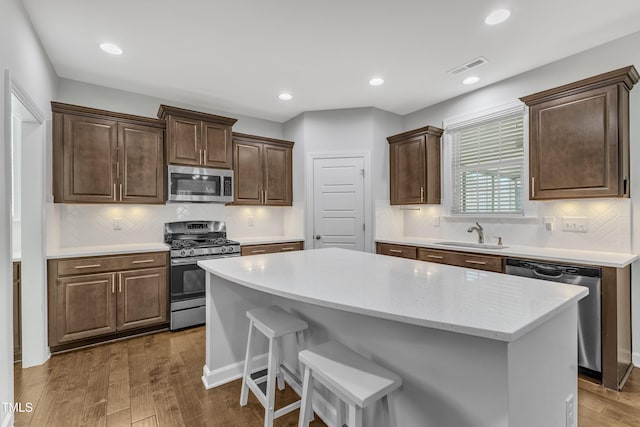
(274, 323)
(356, 381)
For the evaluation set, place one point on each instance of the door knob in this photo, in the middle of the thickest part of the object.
(318, 237)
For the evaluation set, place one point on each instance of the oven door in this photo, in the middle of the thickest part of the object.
(188, 281)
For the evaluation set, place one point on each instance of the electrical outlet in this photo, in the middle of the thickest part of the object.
(575, 224)
(117, 223)
(550, 222)
(570, 411)
(252, 221)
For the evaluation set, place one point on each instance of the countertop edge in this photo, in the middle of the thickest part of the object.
(88, 251)
(248, 241)
(625, 259)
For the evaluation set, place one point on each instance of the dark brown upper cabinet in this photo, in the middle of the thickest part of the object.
(262, 170)
(415, 166)
(197, 139)
(106, 157)
(579, 138)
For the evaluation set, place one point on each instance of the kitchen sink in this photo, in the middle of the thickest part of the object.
(472, 245)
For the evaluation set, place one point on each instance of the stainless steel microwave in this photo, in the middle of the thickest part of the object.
(191, 184)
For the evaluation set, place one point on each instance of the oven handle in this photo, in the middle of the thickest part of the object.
(192, 261)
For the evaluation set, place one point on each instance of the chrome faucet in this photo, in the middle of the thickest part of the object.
(480, 231)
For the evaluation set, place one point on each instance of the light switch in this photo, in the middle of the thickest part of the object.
(549, 223)
(252, 221)
(117, 223)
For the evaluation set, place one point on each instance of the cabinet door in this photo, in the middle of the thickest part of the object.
(408, 171)
(85, 307)
(216, 143)
(140, 164)
(142, 298)
(89, 163)
(247, 172)
(277, 176)
(574, 150)
(183, 139)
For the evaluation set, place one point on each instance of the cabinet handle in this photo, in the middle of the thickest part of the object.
(120, 282)
(120, 192)
(142, 261)
(288, 249)
(114, 193)
(204, 157)
(533, 186)
(113, 283)
(200, 161)
(395, 251)
(79, 267)
(435, 256)
(258, 251)
(422, 194)
(117, 169)
(476, 262)
(265, 197)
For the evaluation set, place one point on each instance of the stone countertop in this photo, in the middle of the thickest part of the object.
(454, 299)
(82, 251)
(604, 259)
(266, 240)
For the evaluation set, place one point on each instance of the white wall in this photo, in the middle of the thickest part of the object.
(22, 54)
(614, 224)
(105, 98)
(347, 130)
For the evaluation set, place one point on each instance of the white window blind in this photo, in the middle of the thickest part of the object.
(487, 166)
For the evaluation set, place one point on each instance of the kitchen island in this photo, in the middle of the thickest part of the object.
(473, 348)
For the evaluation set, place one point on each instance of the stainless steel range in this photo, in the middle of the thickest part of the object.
(190, 242)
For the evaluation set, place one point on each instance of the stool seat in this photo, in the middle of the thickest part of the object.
(274, 322)
(358, 379)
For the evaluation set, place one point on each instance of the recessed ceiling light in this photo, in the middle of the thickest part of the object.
(471, 80)
(285, 96)
(497, 16)
(376, 81)
(111, 48)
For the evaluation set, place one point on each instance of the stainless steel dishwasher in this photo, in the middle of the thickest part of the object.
(589, 311)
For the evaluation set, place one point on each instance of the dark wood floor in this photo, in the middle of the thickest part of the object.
(155, 381)
(148, 381)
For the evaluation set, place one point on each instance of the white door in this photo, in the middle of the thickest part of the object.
(338, 203)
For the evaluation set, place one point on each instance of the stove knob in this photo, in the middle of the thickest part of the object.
(192, 252)
(223, 249)
(183, 253)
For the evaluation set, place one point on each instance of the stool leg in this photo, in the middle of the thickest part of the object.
(279, 352)
(390, 410)
(248, 359)
(355, 416)
(301, 346)
(306, 409)
(340, 413)
(271, 385)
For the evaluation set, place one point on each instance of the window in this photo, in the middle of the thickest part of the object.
(487, 165)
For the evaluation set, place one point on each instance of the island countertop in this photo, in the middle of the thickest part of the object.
(455, 299)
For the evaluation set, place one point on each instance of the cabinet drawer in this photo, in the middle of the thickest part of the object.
(77, 266)
(271, 248)
(462, 259)
(397, 250)
(16, 271)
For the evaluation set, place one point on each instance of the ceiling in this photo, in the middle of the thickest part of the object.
(237, 56)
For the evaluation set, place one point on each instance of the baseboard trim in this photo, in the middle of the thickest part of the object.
(231, 372)
(7, 420)
(635, 359)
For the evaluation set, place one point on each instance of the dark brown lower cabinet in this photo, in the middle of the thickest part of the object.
(101, 298)
(271, 248)
(17, 313)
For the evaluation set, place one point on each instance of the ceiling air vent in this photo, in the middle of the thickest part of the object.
(468, 66)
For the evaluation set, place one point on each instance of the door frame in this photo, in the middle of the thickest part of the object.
(368, 219)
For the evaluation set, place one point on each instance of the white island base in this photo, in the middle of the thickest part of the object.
(449, 378)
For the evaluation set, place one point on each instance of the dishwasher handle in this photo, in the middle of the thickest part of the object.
(547, 273)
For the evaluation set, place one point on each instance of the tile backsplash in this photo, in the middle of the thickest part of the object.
(609, 225)
(71, 225)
